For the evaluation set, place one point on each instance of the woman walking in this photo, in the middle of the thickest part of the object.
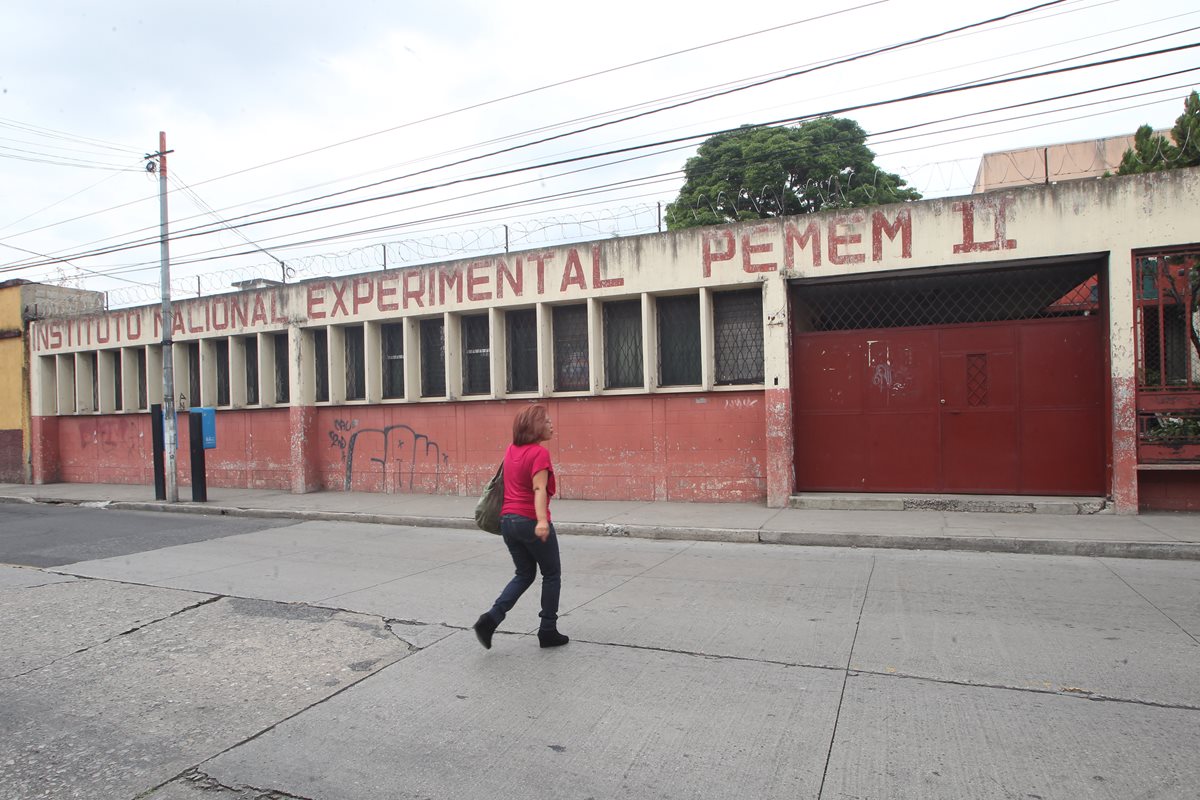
(527, 529)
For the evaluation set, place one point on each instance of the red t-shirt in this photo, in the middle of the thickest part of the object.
(521, 462)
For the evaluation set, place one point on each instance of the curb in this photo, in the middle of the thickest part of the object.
(1173, 551)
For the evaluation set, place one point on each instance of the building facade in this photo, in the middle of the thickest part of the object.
(20, 303)
(1036, 340)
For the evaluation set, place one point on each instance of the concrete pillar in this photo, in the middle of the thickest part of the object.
(777, 398)
(1122, 357)
(302, 414)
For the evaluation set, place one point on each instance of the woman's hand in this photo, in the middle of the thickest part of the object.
(541, 504)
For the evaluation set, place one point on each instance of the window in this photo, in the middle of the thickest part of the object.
(282, 373)
(141, 378)
(392, 345)
(738, 337)
(522, 350)
(222, 351)
(477, 355)
(193, 359)
(114, 358)
(91, 363)
(251, 343)
(356, 364)
(433, 358)
(623, 344)
(570, 348)
(321, 364)
(679, 340)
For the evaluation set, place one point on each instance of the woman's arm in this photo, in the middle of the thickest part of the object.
(541, 503)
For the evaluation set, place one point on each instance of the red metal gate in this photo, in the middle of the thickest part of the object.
(1013, 407)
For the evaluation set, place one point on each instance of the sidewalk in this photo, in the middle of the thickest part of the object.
(1158, 535)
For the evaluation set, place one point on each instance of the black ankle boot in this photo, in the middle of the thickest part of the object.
(552, 639)
(484, 628)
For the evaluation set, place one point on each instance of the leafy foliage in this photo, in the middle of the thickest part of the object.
(756, 173)
(1152, 152)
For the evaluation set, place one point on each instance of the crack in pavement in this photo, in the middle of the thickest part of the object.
(114, 637)
(1149, 602)
(207, 783)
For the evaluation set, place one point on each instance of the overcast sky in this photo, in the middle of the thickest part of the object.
(86, 87)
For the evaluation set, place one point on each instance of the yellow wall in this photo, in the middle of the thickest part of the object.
(14, 384)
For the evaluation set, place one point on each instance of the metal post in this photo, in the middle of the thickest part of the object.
(170, 423)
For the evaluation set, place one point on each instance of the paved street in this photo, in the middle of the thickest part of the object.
(329, 660)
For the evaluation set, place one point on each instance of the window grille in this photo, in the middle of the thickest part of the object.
(679, 340)
(1168, 305)
(477, 355)
(193, 357)
(433, 358)
(1167, 327)
(251, 347)
(356, 363)
(283, 378)
(115, 360)
(738, 337)
(93, 362)
(980, 296)
(222, 350)
(623, 345)
(571, 371)
(522, 350)
(392, 345)
(141, 378)
(321, 364)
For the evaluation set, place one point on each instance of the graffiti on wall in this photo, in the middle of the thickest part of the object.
(396, 447)
(113, 436)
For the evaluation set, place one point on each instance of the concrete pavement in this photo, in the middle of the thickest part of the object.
(331, 660)
(1050, 526)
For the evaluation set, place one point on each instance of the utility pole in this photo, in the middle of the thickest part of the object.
(170, 426)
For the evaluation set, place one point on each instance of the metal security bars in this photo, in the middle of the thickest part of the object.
(193, 358)
(221, 348)
(251, 349)
(1168, 312)
(141, 378)
(1016, 293)
(522, 350)
(321, 366)
(570, 348)
(115, 359)
(433, 358)
(623, 345)
(476, 355)
(1167, 329)
(283, 378)
(738, 337)
(679, 340)
(391, 340)
(356, 363)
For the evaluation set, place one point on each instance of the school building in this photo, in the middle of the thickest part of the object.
(1035, 340)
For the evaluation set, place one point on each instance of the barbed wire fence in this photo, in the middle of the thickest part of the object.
(827, 193)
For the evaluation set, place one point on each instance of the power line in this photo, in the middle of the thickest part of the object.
(701, 98)
(198, 230)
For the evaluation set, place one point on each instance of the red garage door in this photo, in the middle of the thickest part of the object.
(1011, 407)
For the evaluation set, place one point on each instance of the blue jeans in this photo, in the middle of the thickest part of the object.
(530, 554)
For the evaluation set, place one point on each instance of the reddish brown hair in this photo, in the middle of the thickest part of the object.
(527, 426)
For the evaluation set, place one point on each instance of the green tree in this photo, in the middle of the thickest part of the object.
(1152, 152)
(756, 173)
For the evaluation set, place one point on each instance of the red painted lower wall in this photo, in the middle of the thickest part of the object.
(12, 456)
(1168, 490)
(706, 447)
